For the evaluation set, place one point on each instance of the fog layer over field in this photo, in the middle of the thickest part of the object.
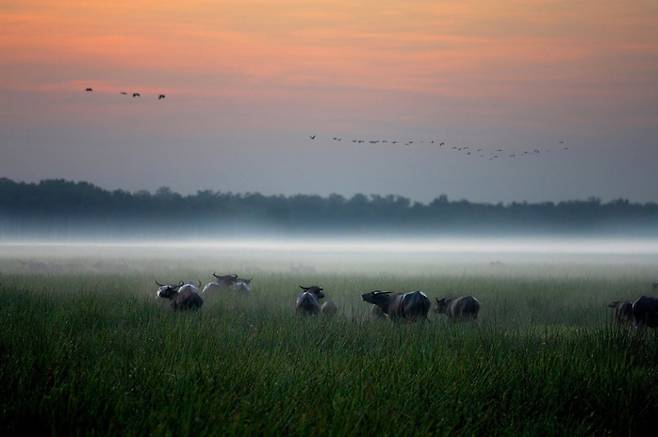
(299, 255)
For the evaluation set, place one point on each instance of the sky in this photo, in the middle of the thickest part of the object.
(247, 82)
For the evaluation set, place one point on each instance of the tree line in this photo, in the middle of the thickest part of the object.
(61, 208)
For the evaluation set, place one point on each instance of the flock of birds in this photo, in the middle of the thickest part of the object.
(125, 93)
(470, 150)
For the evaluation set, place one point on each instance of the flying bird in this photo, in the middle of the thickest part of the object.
(312, 137)
(137, 95)
(161, 96)
(89, 90)
(123, 93)
(442, 144)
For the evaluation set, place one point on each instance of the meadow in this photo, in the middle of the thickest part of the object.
(87, 348)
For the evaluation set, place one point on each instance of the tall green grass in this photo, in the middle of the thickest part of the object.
(93, 353)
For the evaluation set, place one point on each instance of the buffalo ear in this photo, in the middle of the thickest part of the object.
(303, 288)
(613, 304)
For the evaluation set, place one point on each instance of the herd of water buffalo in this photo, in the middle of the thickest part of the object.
(411, 306)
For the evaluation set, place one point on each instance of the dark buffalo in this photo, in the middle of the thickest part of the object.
(458, 308)
(623, 314)
(645, 311)
(308, 301)
(181, 296)
(410, 306)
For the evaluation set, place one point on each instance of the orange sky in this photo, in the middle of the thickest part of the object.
(439, 47)
(482, 67)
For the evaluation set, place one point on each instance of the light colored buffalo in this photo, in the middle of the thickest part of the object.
(623, 311)
(376, 313)
(308, 301)
(181, 296)
(329, 309)
(229, 282)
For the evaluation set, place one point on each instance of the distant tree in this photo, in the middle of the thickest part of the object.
(59, 207)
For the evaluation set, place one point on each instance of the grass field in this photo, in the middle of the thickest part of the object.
(87, 348)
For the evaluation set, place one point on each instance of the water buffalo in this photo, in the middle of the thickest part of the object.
(376, 313)
(181, 296)
(409, 306)
(329, 309)
(308, 301)
(458, 308)
(645, 312)
(623, 314)
(221, 282)
(243, 286)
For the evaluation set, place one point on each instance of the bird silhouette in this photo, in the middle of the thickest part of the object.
(89, 90)
(442, 144)
(161, 96)
(137, 95)
(312, 137)
(123, 93)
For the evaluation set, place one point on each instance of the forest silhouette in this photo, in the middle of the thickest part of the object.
(63, 209)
